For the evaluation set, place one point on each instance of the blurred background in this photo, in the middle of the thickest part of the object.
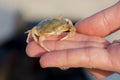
(17, 16)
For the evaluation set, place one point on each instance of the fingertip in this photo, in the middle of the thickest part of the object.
(45, 60)
(53, 59)
(34, 50)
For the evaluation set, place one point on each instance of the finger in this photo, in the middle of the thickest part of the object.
(76, 37)
(84, 57)
(82, 37)
(34, 50)
(102, 23)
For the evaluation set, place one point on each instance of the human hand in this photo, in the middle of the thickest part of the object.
(77, 53)
(107, 22)
(76, 48)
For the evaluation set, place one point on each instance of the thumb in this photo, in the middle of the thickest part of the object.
(102, 23)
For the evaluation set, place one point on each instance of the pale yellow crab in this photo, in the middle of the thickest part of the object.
(55, 26)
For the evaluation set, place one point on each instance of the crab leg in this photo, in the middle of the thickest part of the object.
(41, 39)
(27, 40)
(72, 29)
(33, 32)
(70, 34)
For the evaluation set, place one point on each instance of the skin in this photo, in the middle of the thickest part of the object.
(89, 49)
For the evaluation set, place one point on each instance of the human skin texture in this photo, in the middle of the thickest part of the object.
(87, 48)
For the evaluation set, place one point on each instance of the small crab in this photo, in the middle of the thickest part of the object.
(49, 27)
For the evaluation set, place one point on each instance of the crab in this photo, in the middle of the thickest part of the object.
(49, 27)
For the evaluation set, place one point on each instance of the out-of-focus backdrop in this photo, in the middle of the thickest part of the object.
(17, 16)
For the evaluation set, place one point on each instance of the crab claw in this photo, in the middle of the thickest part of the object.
(72, 30)
(33, 32)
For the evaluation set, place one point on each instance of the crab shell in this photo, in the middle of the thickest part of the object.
(55, 26)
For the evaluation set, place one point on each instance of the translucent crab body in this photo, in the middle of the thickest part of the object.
(49, 27)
